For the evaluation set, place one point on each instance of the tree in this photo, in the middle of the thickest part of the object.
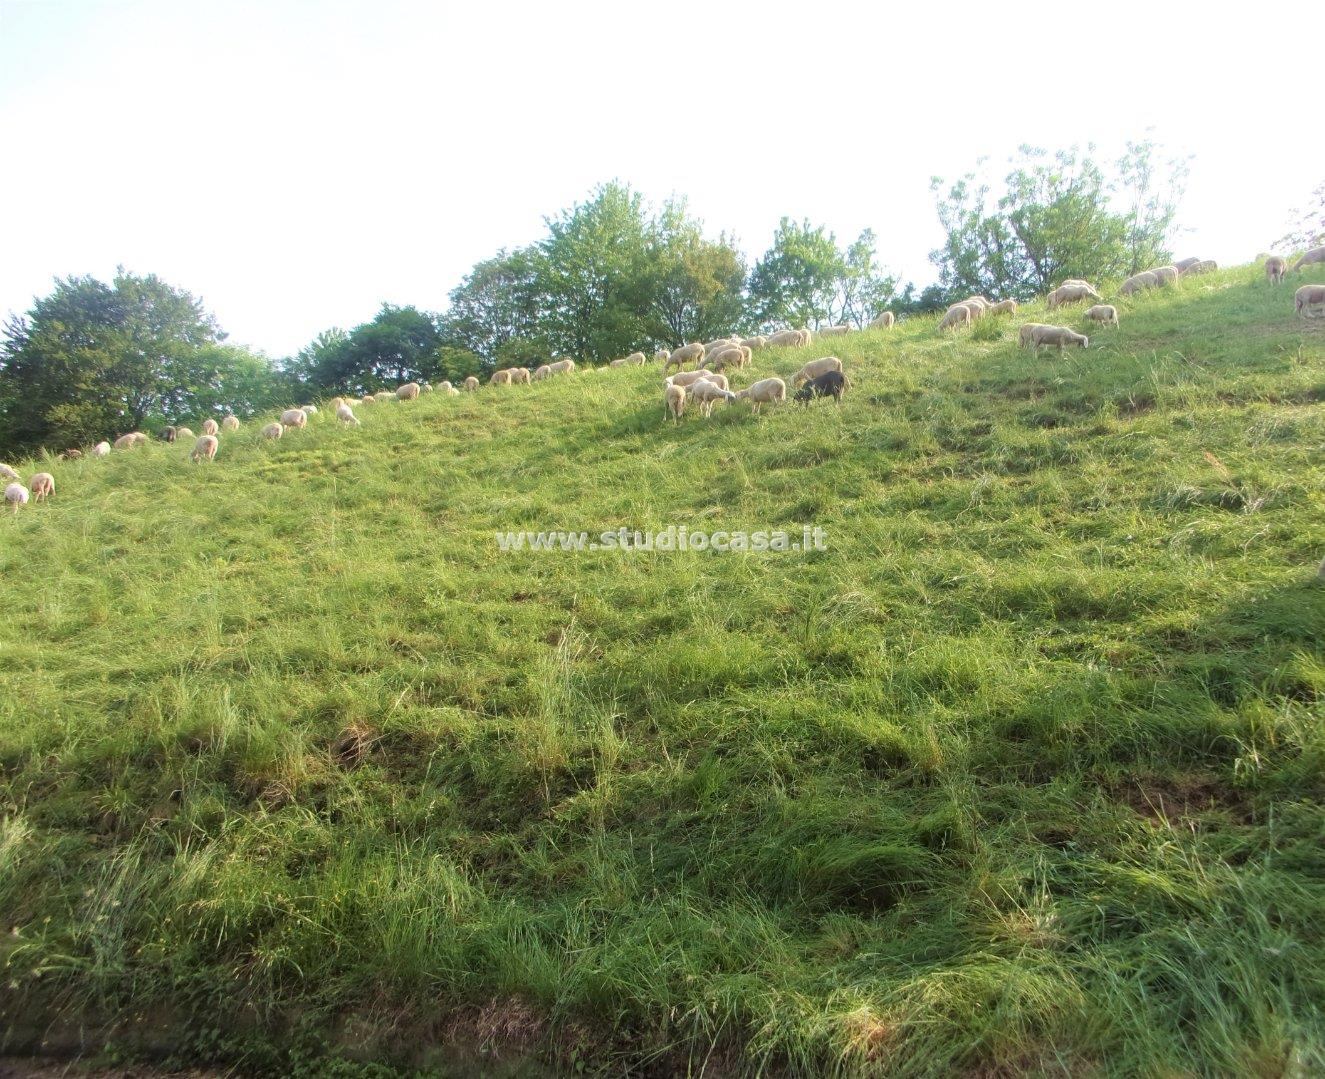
(495, 304)
(795, 281)
(1309, 230)
(691, 286)
(91, 360)
(400, 344)
(863, 288)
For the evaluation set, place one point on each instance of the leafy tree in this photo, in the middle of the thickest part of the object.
(92, 360)
(796, 280)
(863, 288)
(495, 304)
(400, 344)
(1309, 229)
(692, 287)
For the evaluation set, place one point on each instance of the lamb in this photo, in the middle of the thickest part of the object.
(1183, 265)
(294, 417)
(500, 378)
(707, 392)
(210, 427)
(16, 495)
(829, 384)
(1054, 335)
(408, 392)
(8, 473)
(885, 321)
(815, 368)
(205, 448)
(674, 401)
(1307, 297)
(42, 485)
(520, 376)
(273, 430)
(1103, 312)
(561, 367)
(767, 391)
(693, 352)
(129, 441)
(1072, 290)
(230, 423)
(1143, 280)
(1310, 258)
(101, 449)
(471, 383)
(957, 315)
(1004, 307)
(346, 415)
(1275, 268)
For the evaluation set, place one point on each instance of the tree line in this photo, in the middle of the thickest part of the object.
(609, 276)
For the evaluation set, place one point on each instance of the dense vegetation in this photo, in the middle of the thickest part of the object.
(1023, 773)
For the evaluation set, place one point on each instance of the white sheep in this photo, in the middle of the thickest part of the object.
(691, 353)
(706, 393)
(1004, 307)
(230, 423)
(1310, 258)
(210, 427)
(129, 441)
(1058, 336)
(367, 399)
(1275, 268)
(1073, 290)
(736, 356)
(205, 448)
(885, 321)
(310, 410)
(957, 315)
(754, 343)
(1165, 274)
(1204, 266)
(1183, 265)
(346, 415)
(294, 417)
(42, 485)
(561, 367)
(689, 378)
(834, 331)
(101, 449)
(384, 395)
(451, 391)
(183, 432)
(407, 392)
(767, 391)
(674, 401)
(471, 383)
(500, 378)
(520, 376)
(1143, 280)
(8, 473)
(16, 495)
(789, 339)
(815, 368)
(1307, 297)
(273, 430)
(540, 372)
(1103, 312)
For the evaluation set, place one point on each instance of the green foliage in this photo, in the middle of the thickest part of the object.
(494, 305)
(1308, 228)
(400, 344)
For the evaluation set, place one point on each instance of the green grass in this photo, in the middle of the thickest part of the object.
(1023, 774)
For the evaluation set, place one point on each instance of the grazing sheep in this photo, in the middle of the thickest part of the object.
(129, 441)
(451, 391)
(718, 345)
(617, 363)
(1004, 307)
(205, 448)
(693, 352)
(674, 401)
(1103, 312)
(1275, 268)
(1059, 336)
(789, 339)
(367, 399)
(520, 376)
(689, 378)
(978, 301)
(561, 367)
(829, 384)
(736, 356)
(753, 343)
(767, 391)
(1307, 297)
(885, 321)
(346, 415)
(294, 417)
(834, 331)
(1166, 274)
(1183, 265)
(541, 372)
(101, 449)
(273, 430)
(425, 387)
(384, 395)
(707, 392)
(72, 454)
(408, 392)
(471, 383)
(42, 485)
(661, 356)
(184, 433)
(230, 423)
(500, 378)
(1072, 290)
(1316, 254)
(8, 473)
(16, 495)
(815, 368)
(310, 410)
(1204, 266)
(635, 359)
(210, 427)
(957, 315)
(1143, 280)
(169, 434)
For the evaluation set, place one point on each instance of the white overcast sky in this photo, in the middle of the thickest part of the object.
(296, 164)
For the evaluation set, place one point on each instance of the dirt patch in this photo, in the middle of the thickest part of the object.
(1184, 799)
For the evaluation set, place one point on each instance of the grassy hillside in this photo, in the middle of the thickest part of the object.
(1023, 772)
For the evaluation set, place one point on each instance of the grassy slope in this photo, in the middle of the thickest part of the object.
(1024, 772)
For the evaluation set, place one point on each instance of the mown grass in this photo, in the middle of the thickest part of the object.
(1024, 773)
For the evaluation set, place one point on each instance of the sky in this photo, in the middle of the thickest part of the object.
(296, 164)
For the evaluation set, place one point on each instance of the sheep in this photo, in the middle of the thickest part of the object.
(719, 345)
(1165, 274)
(408, 392)
(451, 391)
(1004, 307)
(789, 339)
(661, 356)
(829, 384)
(129, 441)
(1204, 266)
(834, 331)
(184, 433)
(707, 392)
(561, 367)
(310, 410)
(205, 448)
(1310, 258)
(767, 391)
(684, 355)
(540, 372)
(1143, 280)
(230, 423)
(273, 430)
(885, 321)
(978, 301)
(617, 363)
(957, 315)
(674, 401)
(520, 376)
(1275, 267)
(753, 343)
(210, 427)
(101, 449)
(42, 485)
(445, 385)
(1053, 335)
(169, 434)
(384, 395)
(1183, 265)
(1103, 312)
(736, 356)
(689, 378)
(500, 378)
(346, 415)
(71, 454)
(1307, 297)
(294, 417)
(425, 387)
(8, 473)
(471, 383)
(367, 399)
(335, 403)
(16, 495)
(815, 368)
(635, 359)
(1072, 290)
